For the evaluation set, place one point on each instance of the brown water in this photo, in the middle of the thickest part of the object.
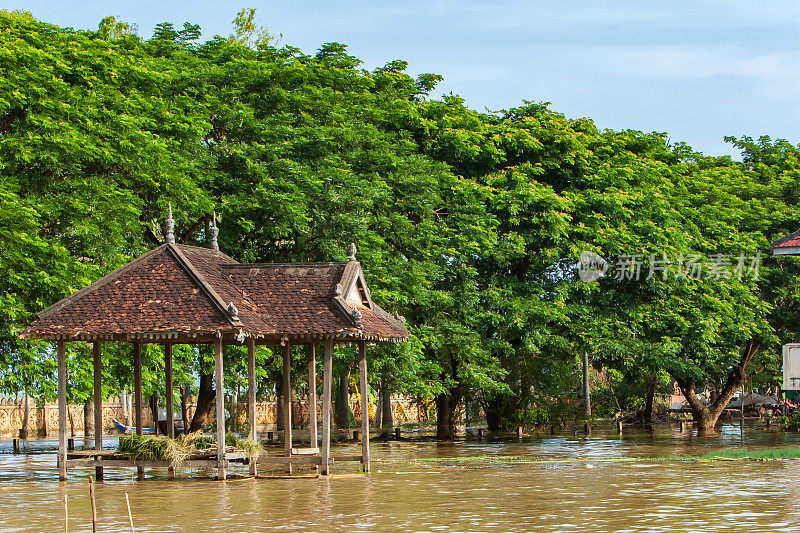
(569, 484)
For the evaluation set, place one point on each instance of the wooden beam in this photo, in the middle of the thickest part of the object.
(362, 389)
(98, 403)
(327, 379)
(287, 404)
(137, 396)
(251, 396)
(220, 409)
(312, 395)
(62, 410)
(170, 394)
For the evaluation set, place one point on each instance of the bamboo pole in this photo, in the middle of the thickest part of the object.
(130, 516)
(62, 413)
(362, 385)
(94, 505)
(327, 378)
(587, 399)
(97, 356)
(220, 409)
(287, 405)
(137, 392)
(251, 396)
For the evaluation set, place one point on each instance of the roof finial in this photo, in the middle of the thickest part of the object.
(170, 225)
(214, 233)
(352, 256)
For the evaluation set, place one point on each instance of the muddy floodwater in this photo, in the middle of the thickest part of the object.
(554, 483)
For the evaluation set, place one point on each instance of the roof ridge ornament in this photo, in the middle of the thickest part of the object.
(214, 233)
(352, 252)
(170, 226)
(233, 311)
(398, 316)
(357, 316)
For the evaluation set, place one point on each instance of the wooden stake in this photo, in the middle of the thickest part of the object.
(587, 397)
(15, 443)
(94, 505)
(251, 396)
(220, 408)
(327, 379)
(66, 515)
(62, 415)
(287, 405)
(98, 403)
(137, 392)
(130, 516)
(362, 385)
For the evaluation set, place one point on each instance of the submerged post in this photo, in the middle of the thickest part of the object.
(137, 396)
(62, 409)
(362, 386)
(251, 396)
(327, 379)
(220, 409)
(287, 405)
(98, 403)
(587, 400)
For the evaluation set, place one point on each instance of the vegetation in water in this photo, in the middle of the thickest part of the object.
(469, 223)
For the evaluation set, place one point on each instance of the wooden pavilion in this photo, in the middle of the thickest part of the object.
(179, 294)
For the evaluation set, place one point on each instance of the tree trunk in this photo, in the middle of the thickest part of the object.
(88, 417)
(279, 406)
(386, 405)
(706, 416)
(378, 420)
(185, 408)
(26, 409)
(650, 392)
(343, 401)
(205, 403)
(446, 405)
(493, 410)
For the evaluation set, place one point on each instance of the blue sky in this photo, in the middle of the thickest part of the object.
(698, 70)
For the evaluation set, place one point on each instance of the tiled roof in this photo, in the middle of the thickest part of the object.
(184, 289)
(789, 241)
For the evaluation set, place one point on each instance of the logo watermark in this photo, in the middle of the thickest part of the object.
(642, 267)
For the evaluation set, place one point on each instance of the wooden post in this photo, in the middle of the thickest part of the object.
(15, 445)
(587, 400)
(220, 409)
(397, 433)
(137, 396)
(62, 411)
(170, 406)
(327, 380)
(362, 386)
(287, 405)
(98, 403)
(312, 395)
(251, 395)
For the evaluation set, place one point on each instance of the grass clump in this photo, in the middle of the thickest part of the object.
(154, 448)
(784, 452)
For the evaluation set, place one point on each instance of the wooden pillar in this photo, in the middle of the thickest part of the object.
(287, 404)
(312, 394)
(251, 395)
(327, 380)
(362, 390)
(62, 409)
(98, 403)
(220, 409)
(137, 396)
(170, 406)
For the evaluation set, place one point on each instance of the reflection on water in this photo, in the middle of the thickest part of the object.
(580, 490)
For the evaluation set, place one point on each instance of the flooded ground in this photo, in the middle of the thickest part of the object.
(555, 483)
